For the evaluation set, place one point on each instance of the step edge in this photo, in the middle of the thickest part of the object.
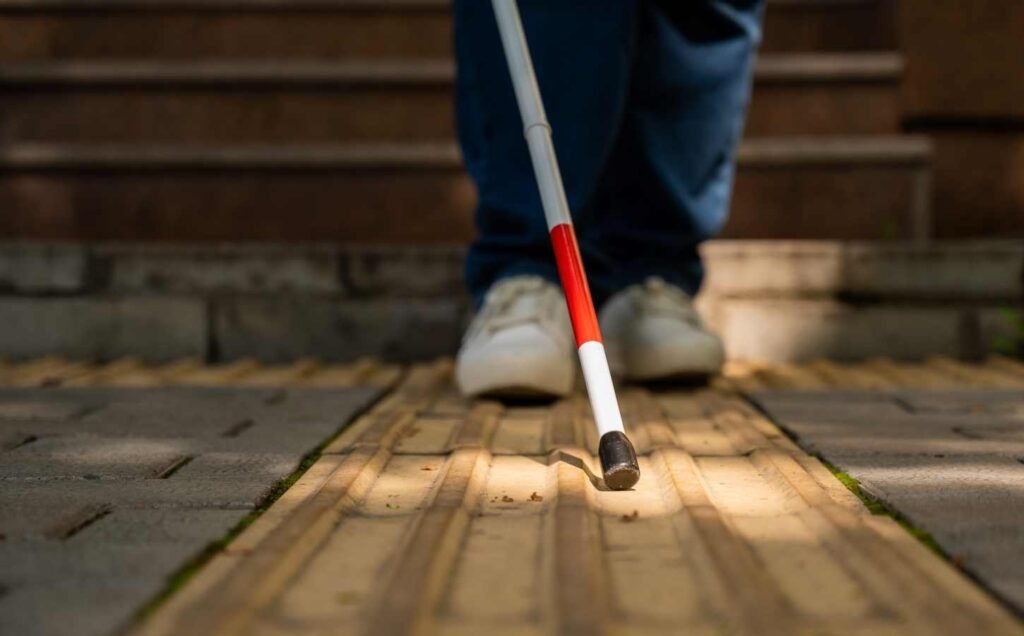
(218, 73)
(755, 153)
(880, 66)
(835, 150)
(222, 156)
(212, 6)
(770, 68)
(383, 5)
(290, 5)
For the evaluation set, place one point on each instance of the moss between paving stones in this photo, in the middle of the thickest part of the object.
(874, 505)
(184, 574)
(880, 508)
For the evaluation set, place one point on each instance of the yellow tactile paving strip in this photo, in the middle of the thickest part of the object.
(739, 376)
(434, 515)
(129, 372)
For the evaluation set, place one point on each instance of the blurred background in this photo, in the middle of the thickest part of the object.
(277, 179)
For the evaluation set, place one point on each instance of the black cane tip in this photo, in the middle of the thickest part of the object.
(618, 461)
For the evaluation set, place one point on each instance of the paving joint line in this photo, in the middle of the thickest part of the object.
(186, 572)
(879, 507)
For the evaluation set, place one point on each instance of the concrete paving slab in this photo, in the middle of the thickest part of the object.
(235, 494)
(953, 464)
(147, 527)
(93, 457)
(979, 401)
(93, 610)
(110, 491)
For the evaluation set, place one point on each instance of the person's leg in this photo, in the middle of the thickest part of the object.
(672, 170)
(670, 178)
(582, 55)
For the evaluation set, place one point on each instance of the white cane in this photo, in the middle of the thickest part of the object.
(618, 458)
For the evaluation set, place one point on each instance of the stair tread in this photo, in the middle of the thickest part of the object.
(304, 4)
(872, 66)
(160, 72)
(763, 152)
(846, 149)
(217, 5)
(34, 155)
(778, 67)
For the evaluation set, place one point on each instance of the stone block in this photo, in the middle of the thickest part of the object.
(178, 411)
(77, 608)
(50, 406)
(222, 269)
(801, 330)
(264, 467)
(1004, 402)
(985, 270)
(772, 268)
(279, 330)
(92, 457)
(227, 494)
(157, 527)
(51, 269)
(62, 589)
(156, 329)
(990, 270)
(407, 271)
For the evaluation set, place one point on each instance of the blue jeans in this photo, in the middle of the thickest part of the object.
(646, 100)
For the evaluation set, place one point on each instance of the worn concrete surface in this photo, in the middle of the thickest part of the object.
(105, 492)
(950, 461)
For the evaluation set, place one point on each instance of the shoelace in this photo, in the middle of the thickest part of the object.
(505, 306)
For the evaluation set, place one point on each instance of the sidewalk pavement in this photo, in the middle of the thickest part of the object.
(431, 514)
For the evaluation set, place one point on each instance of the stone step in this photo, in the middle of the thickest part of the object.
(865, 272)
(832, 187)
(265, 101)
(962, 271)
(822, 299)
(829, 94)
(407, 29)
(842, 188)
(812, 329)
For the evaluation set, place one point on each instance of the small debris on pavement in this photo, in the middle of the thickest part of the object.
(536, 497)
(348, 597)
(630, 518)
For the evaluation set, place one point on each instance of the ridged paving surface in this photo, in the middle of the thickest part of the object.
(433, 515)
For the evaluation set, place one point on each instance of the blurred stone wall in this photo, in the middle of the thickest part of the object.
(771, 300)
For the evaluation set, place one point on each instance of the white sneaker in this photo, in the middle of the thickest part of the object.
(520, 344)
(653, 332)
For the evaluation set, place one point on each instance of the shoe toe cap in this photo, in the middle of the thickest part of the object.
(663, 348)
(519, 359)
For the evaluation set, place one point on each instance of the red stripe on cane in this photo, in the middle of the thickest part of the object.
(574, 283)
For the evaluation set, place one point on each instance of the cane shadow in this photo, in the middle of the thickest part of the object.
(568, 458)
